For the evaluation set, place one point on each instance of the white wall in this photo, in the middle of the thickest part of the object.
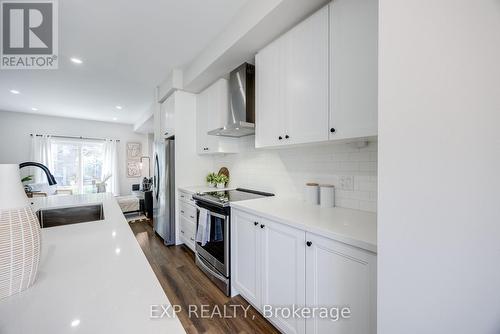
(439, 167)
(15, 140)
(286, 171)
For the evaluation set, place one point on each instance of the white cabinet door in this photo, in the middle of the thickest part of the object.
(283, 272)
(245, 253)
(211, 113)
(353, 68)
(270, 69)
(307, 78)
(167, 116)
(157, 121)
(338, 275)
(202, 114)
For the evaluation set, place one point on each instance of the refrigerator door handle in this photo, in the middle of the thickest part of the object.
(157, 177)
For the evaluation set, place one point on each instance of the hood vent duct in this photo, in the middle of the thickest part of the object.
(241, 118)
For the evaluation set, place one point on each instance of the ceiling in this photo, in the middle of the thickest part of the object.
(127, 48)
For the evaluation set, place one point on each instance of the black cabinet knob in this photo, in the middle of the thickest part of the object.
(287, 136)
(280, 138)
(262, 225)
(309, 243)
(332, 130)
(255, 223)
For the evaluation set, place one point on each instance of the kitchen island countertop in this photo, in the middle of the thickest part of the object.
(93, 278)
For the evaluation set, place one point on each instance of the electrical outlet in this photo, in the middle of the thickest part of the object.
(347, 182)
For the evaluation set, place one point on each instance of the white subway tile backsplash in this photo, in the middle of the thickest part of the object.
(370, 166)
(286, 171)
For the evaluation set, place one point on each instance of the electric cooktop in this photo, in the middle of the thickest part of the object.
(224, 198)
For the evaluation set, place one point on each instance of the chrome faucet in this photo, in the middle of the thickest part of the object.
(51, 179)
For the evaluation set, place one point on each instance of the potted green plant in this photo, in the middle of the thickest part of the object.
(221, 181)
(211, 179)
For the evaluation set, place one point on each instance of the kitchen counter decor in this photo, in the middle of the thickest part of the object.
(19, 235)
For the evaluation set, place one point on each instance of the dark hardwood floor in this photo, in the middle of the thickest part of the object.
(184, 285)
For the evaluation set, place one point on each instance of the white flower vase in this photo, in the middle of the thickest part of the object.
(221, 185)
(19, 235)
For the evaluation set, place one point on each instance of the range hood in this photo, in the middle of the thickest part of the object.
(241, 117)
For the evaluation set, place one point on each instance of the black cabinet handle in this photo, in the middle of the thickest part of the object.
(309, 243)
(262, 225)
(332, 130)
(255, 223)
(280, 138)
(287, 136)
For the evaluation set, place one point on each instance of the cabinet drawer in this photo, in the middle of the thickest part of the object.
(187, 232)
(186, 197)
(187, 211)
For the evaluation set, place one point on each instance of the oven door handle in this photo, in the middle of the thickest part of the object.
(201, 262)
(211, 213)
(217, 215)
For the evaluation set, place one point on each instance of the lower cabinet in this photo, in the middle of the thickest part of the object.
(187, 220)
(277, 267)
(283, 272)
(268, 266)
(245, 255)
(339, 275)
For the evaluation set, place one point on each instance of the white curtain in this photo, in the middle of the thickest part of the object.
(110, 167)
(41, 151)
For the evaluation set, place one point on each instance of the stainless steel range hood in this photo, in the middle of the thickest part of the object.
(241, 118)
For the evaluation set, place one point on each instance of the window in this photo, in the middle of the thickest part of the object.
(77, 165)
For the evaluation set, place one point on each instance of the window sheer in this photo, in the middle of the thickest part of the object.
(77, 164)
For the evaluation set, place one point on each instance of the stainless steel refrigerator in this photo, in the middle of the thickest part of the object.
(164, 190)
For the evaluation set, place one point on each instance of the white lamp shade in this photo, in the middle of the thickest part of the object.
(12, 195)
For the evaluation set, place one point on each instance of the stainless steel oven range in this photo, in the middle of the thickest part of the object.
(213, 254)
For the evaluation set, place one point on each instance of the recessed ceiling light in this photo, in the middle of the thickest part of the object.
(76, 60)
(13, 91)
(119, 107)
(75, 323)
(115, 119)
(34, 109)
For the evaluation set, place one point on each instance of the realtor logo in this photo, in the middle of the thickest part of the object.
(29, 34)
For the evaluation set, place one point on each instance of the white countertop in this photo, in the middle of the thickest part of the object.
(202, 189)
(92, 275)
(353, 227)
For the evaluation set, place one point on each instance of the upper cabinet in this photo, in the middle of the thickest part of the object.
(353, 68)
(292, 85)
(164, 118)
(167, 117)
(319, 80)
(211, 113)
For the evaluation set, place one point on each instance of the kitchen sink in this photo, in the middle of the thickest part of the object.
(70, 215)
